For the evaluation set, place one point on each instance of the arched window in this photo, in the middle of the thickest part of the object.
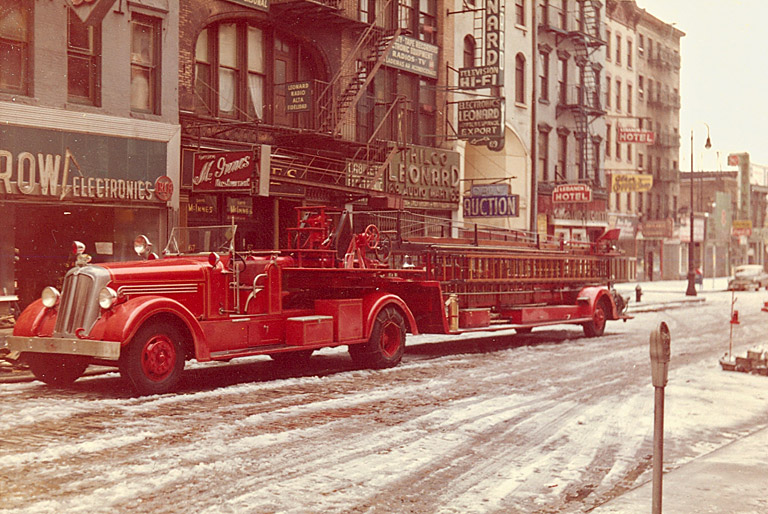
(469, 51)
(520, 78)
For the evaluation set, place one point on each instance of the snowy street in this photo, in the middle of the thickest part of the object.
(547, 422)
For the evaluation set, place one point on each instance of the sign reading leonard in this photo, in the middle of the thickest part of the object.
(425, 177)
(482, 121)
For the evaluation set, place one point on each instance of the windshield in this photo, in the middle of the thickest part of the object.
(191, 240)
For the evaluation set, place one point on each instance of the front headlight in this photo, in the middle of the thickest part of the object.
(107, 297)
(50, 297)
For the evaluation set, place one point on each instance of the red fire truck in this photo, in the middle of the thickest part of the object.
(361, 281)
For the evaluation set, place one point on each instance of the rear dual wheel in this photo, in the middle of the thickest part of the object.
(386, 346)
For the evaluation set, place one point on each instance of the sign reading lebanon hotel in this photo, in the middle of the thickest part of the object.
(572, 193)
(60, 176)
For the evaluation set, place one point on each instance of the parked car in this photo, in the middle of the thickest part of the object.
(748, 277)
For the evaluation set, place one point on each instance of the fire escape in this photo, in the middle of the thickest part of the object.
(581, 33)
(335, 108)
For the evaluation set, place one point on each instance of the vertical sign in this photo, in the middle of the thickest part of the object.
(494, 36)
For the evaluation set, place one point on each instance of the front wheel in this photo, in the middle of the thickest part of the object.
(596, 327)
(56, 370)
(154, 359)
(386, 346)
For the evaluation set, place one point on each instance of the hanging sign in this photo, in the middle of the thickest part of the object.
(633, 135)
(572, 193)
(223, 171)
(631, 183)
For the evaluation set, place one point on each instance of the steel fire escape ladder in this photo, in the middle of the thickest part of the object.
(336, 102)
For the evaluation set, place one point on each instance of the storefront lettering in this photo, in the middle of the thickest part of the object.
(49, 175)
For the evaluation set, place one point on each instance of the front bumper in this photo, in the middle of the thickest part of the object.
(108, 350)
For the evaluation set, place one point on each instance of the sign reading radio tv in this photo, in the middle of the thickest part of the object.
(572, 193)
(223, 171)
(412, 55)
(632, 135)
(425, 176)
(491, 201)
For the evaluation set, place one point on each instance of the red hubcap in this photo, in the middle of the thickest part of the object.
(158, 358)
(391, 339)
(599, 317)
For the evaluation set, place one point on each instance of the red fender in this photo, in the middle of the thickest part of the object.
(374, 302)
(597, 293)
(121, 322)
(35, 320)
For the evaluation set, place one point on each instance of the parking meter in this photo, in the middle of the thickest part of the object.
(660, 354)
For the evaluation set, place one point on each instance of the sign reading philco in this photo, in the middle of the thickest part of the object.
(424, 176)
(741, 228)
(632, 135)
(412, 55)
(299, 97)
(479, 77)
(631, 183)
(223, 171)
(82, 167)
(491, 201)
(572, 193)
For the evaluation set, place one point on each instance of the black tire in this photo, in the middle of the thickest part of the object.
(56, 370)
(596, 327)
(523, 330)
(291, 360)
(154, 359)
(386, 346)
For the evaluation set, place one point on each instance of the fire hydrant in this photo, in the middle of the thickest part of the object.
(638, 293)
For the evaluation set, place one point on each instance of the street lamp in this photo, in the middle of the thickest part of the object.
(691, 291)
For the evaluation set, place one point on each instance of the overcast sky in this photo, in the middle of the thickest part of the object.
(724, 77)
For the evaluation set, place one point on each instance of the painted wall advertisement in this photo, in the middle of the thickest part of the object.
(425, 177)
(70, 166)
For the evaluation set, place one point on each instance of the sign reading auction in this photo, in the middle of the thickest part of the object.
(491, 201)
(572, 193)
(223, 171)
(412, 55)
(631, 183)
(632, 135)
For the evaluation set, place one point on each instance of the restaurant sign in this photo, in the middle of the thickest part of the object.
(223, 171)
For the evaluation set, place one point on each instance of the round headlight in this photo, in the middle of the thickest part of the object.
(50, 297)
(107, 297)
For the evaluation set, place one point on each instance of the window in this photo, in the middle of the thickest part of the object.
(629, 152)
(145, 64)
(578, 157)
(607, 45)
(641, 45)
(15, 38)
(520, 12)
(640, 87)
(629, 98)
(469, 51)
(618, 49)
(228, 69)
(83, 60)
(629, 202)
(608, 134)
(256, 72)
(617, 201)
(650, 90)
(629, 53)
(427, 29)
(562, 80)
(544, 76)
(618, 95)
(608, 91)
(203, 86)
(563, 14)
(562, 156)
(650, 48)
(618, 145)
(640, 162)
(543, 157)
(544, 15)
(427, 115)
(520, 79)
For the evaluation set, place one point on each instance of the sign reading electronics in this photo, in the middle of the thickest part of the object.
(61, 177)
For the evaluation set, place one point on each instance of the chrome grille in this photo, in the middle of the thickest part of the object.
(79, 303)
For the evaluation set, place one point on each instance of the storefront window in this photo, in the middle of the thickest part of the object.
(15, 35)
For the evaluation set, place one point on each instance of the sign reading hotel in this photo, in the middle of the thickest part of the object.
(632, 135)
(491, 201)
(298, 97)
(572, 193)
(223, 171)
(631, 183)
(425, 176)
(412, 55)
